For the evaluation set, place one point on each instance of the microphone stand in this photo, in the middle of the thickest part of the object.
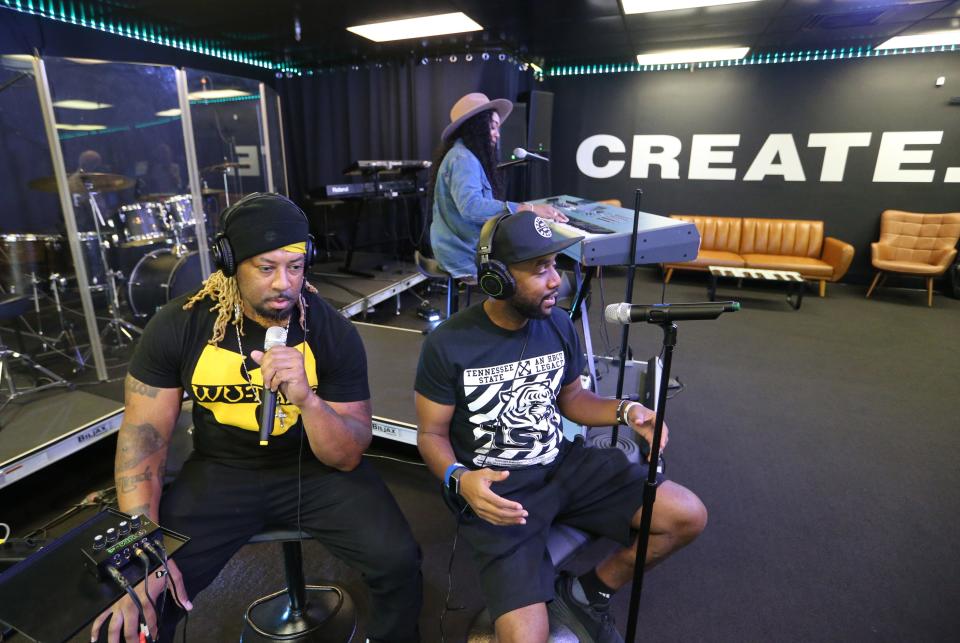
(669, 328)
(628, 298)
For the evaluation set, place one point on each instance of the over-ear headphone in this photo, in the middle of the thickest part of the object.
(222, 251)
(493, 276)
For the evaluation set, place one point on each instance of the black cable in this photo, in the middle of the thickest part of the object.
(453, 553)
(120, 580)
(139, 553)
(160, 554)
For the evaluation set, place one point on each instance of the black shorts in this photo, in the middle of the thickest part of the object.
(595, 490)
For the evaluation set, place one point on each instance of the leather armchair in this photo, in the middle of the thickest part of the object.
(917, 244)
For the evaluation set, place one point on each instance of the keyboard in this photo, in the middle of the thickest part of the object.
(606, 232)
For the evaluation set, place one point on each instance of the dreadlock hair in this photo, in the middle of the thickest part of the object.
(475, 134)
(225, 293)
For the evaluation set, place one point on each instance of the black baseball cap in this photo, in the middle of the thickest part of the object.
(524, 235)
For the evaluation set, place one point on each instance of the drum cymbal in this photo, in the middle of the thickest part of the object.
(210, 192)
(83, 181)
(220, 167)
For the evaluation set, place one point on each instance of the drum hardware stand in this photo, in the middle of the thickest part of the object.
(8, 356)
(120, 327)
(49, 343)
(226, 187)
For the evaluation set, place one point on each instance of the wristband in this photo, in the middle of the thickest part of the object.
(626, 411)
(617, 417)
(453, 467)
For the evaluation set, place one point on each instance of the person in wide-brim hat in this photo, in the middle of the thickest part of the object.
(471, 105)
(467, 186)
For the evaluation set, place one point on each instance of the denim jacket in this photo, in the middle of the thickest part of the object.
(462, 203)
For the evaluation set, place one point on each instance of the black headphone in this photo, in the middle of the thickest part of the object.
(222, 251)
(493, 276)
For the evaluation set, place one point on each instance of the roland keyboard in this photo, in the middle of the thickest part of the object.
(606, 232)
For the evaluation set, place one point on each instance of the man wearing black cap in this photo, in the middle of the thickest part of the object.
(310, 471)
(491, 385)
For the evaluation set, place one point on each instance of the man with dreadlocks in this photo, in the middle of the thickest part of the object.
(467, 186)
(310, 473)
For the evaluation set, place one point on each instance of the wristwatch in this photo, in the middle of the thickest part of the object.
(453, 479)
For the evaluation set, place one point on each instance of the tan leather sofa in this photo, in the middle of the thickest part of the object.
(767, 244)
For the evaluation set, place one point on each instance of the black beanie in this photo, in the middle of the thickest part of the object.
(260, 223)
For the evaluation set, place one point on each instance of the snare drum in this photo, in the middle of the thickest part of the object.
(143, 223)
(180, 211)
(25, 258)
(160, 276)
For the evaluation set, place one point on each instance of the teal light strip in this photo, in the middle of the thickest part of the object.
(87, 14)
(214, 101)
(813, 55)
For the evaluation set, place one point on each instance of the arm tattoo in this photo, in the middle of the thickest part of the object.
(132, 385)
(126, 484)
(135, 443)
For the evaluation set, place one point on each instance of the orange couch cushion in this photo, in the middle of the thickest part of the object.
(806, 266)
(716, 233)
(712, 258)
(787, 237)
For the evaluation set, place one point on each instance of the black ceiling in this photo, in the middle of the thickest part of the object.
(552, 31)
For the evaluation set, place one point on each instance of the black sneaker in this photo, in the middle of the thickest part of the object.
(591, 623)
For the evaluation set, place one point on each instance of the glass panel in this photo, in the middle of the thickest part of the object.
(31, 226)
(120, 130)
(226, 126)
(277, 147)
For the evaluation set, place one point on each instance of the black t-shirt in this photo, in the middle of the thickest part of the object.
(174, 352)
(503, 384)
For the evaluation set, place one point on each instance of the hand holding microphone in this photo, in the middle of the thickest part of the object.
(282, 368)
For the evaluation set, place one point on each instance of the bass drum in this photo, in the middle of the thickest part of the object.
(159, 277)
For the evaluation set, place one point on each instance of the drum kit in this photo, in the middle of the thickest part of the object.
(153, 234)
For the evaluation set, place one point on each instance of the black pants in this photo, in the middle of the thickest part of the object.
(352, 513)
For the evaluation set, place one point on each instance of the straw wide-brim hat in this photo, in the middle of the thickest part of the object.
(471, 105)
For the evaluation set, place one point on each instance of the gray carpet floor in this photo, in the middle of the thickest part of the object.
(824, 443)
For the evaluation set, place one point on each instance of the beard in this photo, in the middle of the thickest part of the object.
(531, 309)
(274, 314)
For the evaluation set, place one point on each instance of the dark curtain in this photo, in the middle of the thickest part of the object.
(393, 111)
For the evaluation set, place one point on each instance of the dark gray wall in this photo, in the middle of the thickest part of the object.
(875, 96)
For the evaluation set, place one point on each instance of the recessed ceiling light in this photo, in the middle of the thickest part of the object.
(931, 39)
(652, 6)
(80, 128)
(170, 112)
(212, 94)
(80, 104)
(700, 55)
(422, 27)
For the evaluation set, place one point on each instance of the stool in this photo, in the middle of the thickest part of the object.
(430, 267)
(10, 309)
(300, 612)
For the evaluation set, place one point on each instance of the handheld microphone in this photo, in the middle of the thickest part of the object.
(276, 336)
(657, 313)
(521, 153)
